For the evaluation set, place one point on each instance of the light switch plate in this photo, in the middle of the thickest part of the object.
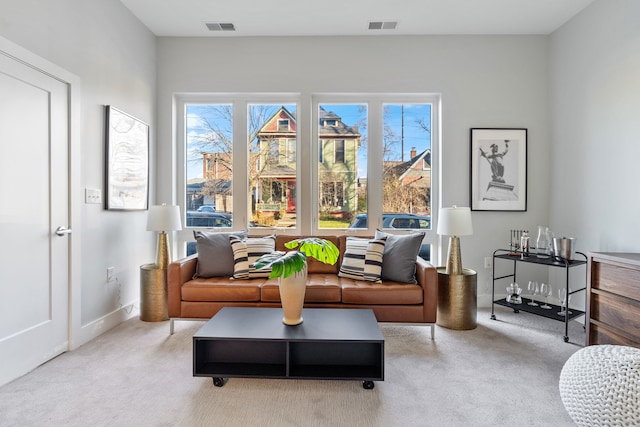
(92, 195)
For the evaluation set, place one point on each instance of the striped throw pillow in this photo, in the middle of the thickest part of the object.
(246, 252)
(362, 259)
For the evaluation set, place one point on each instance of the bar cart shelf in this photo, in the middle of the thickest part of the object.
(515, 257)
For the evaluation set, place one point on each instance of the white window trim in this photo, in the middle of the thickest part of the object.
(307, 156)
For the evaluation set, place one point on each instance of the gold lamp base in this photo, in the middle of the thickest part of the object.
(163, 258)
(454, 258)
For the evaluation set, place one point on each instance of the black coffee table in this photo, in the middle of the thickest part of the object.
(248, 342)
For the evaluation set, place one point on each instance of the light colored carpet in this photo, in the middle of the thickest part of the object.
(504, 373)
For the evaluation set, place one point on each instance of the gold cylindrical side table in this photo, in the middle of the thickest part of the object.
(153, 293)
(457, 299)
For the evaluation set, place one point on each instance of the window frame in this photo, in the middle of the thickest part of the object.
(308, 158)
(375, 123)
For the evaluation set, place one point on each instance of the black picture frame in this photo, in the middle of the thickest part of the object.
(498, 169)
(126, 161)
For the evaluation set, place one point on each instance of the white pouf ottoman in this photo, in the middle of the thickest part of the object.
(600, 386)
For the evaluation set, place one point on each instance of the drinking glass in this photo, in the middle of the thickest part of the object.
(546, 291)
(533, 289)
(564, 302)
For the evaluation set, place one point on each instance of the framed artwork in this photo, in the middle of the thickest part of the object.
(127, 161)
(498, 169)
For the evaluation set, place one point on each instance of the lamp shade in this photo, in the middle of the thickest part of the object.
(164, 218)
(455, 221)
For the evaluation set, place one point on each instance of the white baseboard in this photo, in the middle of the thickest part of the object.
(99, 326)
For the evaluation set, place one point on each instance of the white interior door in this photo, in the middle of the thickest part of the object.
(34, 202)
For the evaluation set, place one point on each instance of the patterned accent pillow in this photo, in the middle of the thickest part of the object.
(246, 252)
(362, 259)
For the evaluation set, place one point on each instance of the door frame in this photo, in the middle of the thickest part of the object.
(20, 54)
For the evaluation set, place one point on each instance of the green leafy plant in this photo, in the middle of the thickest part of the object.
(284, 264)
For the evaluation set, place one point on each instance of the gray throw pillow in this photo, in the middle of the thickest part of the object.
(215, 257)
(400, 254)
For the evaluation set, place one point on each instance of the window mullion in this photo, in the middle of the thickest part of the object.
(240, 182)
(375, 154)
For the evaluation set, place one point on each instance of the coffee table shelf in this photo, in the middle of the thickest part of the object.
(331, 344)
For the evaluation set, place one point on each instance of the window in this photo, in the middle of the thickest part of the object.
(332, 194)
(291, 150)
(342, 160)
(273, 157)
(283, 124)
(339, 151)
(241, 156)
(209, 159)
(406, 167)
(272, 182)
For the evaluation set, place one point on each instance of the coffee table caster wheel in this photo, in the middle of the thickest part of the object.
(368, 385)
(493, 317)
(218, 382)
(566, 339)
(516, 311)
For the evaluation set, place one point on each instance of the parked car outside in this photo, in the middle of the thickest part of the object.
(208, 219)
(400, 221)
(207, 208)
(395, 220)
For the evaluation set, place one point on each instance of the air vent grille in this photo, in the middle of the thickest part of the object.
(220, 26)
(383, 25)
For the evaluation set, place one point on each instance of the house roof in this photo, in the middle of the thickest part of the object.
(325, 131)
(401, 168)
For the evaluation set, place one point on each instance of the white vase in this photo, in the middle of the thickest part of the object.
(292, 290)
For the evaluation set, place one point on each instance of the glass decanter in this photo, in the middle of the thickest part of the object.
(543, 242)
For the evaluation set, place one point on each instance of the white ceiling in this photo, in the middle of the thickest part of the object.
(187, 18)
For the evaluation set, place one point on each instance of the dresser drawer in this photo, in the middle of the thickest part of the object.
(603, 335)
(616, 312)
(616, 279)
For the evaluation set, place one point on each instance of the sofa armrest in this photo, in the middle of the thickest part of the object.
(178, 273)
(427, 277)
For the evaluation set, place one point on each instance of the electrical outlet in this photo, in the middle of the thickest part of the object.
(488, 262)
(92, 196)
(110, 271)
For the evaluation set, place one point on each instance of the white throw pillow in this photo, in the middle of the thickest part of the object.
(246, 252)
(362, 259)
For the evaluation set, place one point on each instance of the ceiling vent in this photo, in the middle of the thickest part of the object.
(383, 25)
(220, 26)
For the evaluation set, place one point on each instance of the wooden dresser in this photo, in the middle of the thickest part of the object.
(613, 299)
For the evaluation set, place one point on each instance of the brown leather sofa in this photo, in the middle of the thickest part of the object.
(200, 298)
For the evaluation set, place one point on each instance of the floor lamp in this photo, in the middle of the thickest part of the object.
(454, 222)
(163, 218)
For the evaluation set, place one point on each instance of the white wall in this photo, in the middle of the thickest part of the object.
(492, 81)
(113, 55)
(595, 105)
(576, 91)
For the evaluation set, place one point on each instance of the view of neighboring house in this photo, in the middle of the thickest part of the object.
(275, 186)
(273, 172)
(414, 176)
(215, 188)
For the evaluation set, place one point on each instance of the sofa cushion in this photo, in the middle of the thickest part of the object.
(362, 259)
(215, 257)
(385, 293)
(400, 254)
(246, 252)
(321, 287)
(222, 289)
